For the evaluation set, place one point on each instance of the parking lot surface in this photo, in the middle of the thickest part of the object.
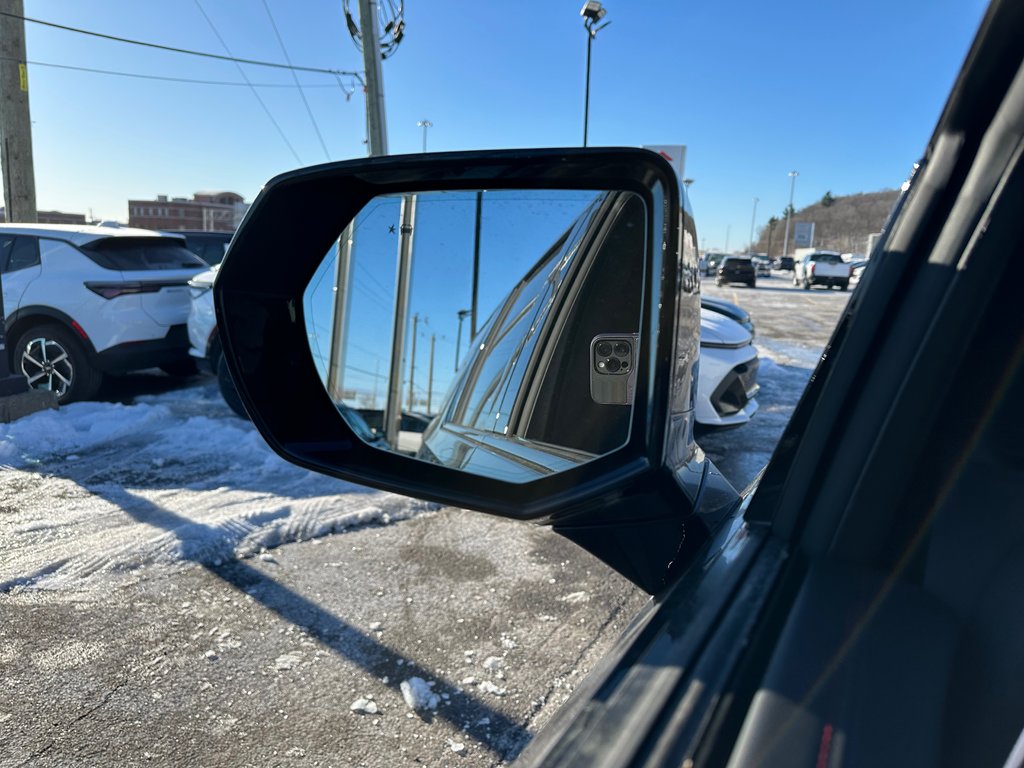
(174, 594)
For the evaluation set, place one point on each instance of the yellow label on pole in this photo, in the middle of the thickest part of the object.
(23, 77)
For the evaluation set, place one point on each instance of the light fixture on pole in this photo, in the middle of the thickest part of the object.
(789, 211)
(424, 124)
(592, 12)
(753, 218)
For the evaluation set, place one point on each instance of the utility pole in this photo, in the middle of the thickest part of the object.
(16, 398)
(15, 120)
(403, 279)
(728, 231)
(753, 218)
(377, 144)
(376, 123)
(789, 210)
(430, 375)
(412, 357)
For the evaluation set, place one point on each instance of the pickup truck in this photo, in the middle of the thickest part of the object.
(821, 268)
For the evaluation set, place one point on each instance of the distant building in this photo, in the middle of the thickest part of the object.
(206, 211)
(52, 217)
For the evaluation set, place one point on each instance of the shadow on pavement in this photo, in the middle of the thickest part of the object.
(491, 728)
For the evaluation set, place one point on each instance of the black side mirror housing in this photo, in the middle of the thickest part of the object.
(642, 507)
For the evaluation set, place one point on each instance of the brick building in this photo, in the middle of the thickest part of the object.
(206, 211)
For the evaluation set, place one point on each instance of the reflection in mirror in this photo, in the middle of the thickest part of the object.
(517, 314)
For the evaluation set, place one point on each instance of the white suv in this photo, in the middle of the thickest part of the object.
(81, 301)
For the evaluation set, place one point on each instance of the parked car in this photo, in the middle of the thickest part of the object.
(209, 246)
(732, 311)
(204, 341)
(762, 265)
(736, 269)
(727, 375)
(860, 604)
(857, 268)
(411, 427)
(84, 301)
(821, 268)
(711, 262)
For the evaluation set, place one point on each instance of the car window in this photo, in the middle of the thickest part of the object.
(482, 404)
(828, 258)
(6, 241)
(18, 253)
(141, 253)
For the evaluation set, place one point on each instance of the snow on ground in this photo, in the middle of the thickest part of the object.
(175, 478)
(172, 478)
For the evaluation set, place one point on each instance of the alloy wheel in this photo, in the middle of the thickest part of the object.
(47, 365)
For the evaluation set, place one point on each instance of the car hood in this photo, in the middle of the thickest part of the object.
(717, 330)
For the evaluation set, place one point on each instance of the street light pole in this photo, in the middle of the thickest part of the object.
(789, 211)
(753, 218)
(592, 12)
(424, 124)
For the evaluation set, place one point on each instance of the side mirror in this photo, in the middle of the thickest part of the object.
(568, 395)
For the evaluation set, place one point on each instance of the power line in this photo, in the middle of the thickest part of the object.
(296, 78)
(165, 78)
(254, 91)
(254, 62)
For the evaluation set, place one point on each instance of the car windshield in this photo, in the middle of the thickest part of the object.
(828, 258)
(130, 254)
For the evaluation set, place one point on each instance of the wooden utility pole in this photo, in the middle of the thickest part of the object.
(15, 121)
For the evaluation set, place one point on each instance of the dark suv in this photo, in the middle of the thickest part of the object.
(736, 269)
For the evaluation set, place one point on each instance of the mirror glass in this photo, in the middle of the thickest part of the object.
(517, 314)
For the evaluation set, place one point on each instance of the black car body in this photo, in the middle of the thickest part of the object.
(736, 269)
(862, 604)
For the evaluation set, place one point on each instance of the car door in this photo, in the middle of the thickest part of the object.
(878, 618)
(19, 264)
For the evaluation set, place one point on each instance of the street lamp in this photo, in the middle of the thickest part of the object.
(789, 211)
(424, 124)
(592, 12)
(753, 218)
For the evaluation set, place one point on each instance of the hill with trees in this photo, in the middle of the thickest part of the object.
(841, 223)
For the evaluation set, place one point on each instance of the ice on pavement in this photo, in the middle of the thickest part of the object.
(173, 478)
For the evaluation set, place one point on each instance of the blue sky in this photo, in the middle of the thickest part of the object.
(845, 93)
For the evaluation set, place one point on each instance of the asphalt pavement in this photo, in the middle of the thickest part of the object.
(297, 654)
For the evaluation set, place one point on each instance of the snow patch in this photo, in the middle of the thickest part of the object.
(364, 706)
(419, 694)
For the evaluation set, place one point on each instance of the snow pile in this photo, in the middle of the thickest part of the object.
(419, 694)
(175, 478)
